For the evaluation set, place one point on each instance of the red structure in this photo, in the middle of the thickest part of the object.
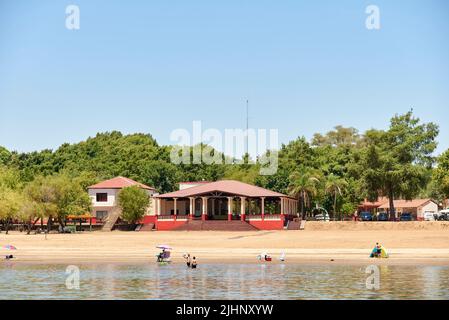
(225, 201)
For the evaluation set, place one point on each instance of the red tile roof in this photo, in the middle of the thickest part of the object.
(226, 186)
(416, 203)
(194, 182)
(375, 204)
(119, 183)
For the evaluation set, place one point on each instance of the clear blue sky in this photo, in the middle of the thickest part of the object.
(154, 66)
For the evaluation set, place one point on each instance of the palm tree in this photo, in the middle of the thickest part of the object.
(334, 186)
(303, 186)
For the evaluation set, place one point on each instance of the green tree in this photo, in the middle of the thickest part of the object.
(395, 161)
(348, 208)
(10, 178)
(334, 186)
(340, 136)
(441, 174)
(58, 196)
(133, 202)
(10, 203)
(29, 213)
(303, 186)
(5, 156)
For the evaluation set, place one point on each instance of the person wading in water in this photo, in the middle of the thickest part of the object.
(193, 265)
(188, 261)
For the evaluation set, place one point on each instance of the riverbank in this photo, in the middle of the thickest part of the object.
(320, 243)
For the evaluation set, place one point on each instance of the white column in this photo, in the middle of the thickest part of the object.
(282, 205)
(204, 215)
(229, 208)
(175, 207)
(262, 209)
(242, 208)
(192, 207)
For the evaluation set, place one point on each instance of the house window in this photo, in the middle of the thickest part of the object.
(101, 215)
(102, 197)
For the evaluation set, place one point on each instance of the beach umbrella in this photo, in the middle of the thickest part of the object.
(164, 246)
(9, 247)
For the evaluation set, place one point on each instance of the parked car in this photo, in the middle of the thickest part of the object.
(444, 215)
(383, 216)
(406, 217)
(431, 216)
(366, 216)
(322, 217)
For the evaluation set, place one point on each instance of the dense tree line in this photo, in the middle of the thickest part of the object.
(335, 170)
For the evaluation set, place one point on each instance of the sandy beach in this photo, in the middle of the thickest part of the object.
(334, 242)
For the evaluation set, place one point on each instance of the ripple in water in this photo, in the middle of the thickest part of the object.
(229, 281)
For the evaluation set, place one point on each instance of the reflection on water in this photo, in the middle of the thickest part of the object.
(230, 281)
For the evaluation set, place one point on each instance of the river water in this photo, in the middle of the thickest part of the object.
(227, 281)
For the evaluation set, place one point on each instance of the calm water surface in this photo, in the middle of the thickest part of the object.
(229, 281)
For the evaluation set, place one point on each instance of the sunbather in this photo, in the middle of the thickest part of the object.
(379, 252)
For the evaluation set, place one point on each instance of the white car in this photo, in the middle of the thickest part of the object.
(322, 217)
(431, 216)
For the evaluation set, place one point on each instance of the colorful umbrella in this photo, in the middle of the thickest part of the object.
(9, 247)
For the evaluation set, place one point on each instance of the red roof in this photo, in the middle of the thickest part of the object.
(119, 183)
(416, 203)
(194, 182)
(375, 204)
(226, 186)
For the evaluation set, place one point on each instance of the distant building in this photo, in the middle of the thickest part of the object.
(105, 208)
(416, 207)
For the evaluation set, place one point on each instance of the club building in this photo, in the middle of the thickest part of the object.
(219, 205)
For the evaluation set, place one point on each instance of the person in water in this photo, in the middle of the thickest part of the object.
(193, 264)
(188, 261)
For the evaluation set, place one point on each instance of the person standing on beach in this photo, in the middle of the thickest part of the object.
(194, 263)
